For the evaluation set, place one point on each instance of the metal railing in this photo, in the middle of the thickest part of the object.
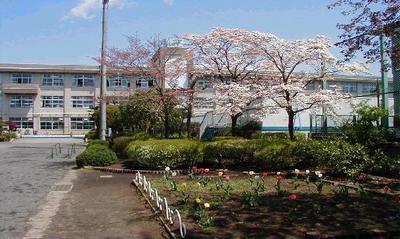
(212, 119)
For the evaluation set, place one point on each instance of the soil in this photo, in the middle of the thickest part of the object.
(326, 215)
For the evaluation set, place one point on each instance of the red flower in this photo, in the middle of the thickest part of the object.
(227, 178)
(279, 177)
(397, 199)
(201, 170)
(264, 174)
(292, 197)
(206, 170)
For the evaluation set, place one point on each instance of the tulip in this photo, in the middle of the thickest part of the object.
(296, 171)
(227, 178)
(307, 171)
(251, 173)
(220, 174)
(264, 174)
(167, 169)
(225, 170)
(198, 200)
(292, 197)
(206, 170)
(173, 174)
(206, 205)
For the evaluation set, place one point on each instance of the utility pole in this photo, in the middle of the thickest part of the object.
(103, 70)
(384, 83)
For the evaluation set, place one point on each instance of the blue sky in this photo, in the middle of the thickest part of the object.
(68, 31)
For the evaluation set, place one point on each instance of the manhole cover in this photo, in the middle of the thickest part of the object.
(62, 187)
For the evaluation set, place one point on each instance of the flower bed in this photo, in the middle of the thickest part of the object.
(232, 205)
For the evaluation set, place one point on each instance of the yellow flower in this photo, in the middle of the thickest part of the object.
(184, 185)
(206, 205)
(220, 174)
(198, 184)
(198, 200)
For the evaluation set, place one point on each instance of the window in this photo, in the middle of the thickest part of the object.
(83, 80)
(52, 101)
(86, 102)
(118, 82)
(53, 80)
(349, 87)
(51, 123)
(368, 88)
(203, 103)
(145, 83)
(81, 123)
(21, 101)
(310, 86)
(22, 122)
(21, 78)
(202, 84)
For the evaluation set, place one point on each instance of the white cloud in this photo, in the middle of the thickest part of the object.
(169, 2)
(85, 8)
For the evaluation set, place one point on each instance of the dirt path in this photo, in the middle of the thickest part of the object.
(100, 206)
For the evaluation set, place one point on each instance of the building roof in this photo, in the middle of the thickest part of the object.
(49, 68)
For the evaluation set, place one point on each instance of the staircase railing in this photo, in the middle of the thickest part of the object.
(211, 119)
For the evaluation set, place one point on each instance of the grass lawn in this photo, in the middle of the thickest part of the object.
(255, 206)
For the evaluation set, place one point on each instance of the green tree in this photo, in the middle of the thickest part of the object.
(366, 130)
(114, 120)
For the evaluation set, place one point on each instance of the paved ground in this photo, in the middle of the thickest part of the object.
(101, 207)
(26, 177)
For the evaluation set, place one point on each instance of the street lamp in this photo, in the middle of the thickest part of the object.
(103, 71)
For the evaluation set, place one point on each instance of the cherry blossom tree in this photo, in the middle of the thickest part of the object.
(236, 99)
(152, 60)
(226, 56)
(368, 20)
(292, 65)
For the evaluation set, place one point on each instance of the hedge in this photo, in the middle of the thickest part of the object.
(96, 155)
(334, 154)
(275, 155)
(157, 154)
(98, 141)
(228, 152)
(120, 144)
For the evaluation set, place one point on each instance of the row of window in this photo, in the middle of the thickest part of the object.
(53, 123)
(21, 101)
(351, 87)
(80, 80)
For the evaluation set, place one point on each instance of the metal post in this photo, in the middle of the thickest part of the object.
(396, 78)
(384, 83)
(103, 70)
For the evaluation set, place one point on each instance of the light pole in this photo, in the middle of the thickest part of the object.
(103, 70)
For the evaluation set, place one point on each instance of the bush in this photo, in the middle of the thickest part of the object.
(96, 155)
(229, 152)
(276, 135)
(157, 154)
(335, 154)
(248, 129)
(381, 164)
(219, 138)
(7, 137)
(120, 143)
(275, 155)
(92, 134)
(98, 142)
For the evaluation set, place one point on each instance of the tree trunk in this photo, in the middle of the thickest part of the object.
(291, 124)
(166, 123)
(234, 119)
(189, 121)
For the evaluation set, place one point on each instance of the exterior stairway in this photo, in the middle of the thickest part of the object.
(212, 122)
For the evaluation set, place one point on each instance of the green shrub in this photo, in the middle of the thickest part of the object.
(157, 154)
(7, 136)
(275, 155)
(381, 164)
(97, 142)
(219, 138)
(335, 154)
(92, 134)
(120, 144)
(229, 152)
(248, 129)
(96, 155)
(276, 135)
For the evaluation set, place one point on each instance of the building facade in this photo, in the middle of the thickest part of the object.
(57, 99)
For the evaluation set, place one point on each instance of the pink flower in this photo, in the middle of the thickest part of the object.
(206, 170)
(264, 174)
(227, 178)
(292, 197)
(225, 170)
(279, 177)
